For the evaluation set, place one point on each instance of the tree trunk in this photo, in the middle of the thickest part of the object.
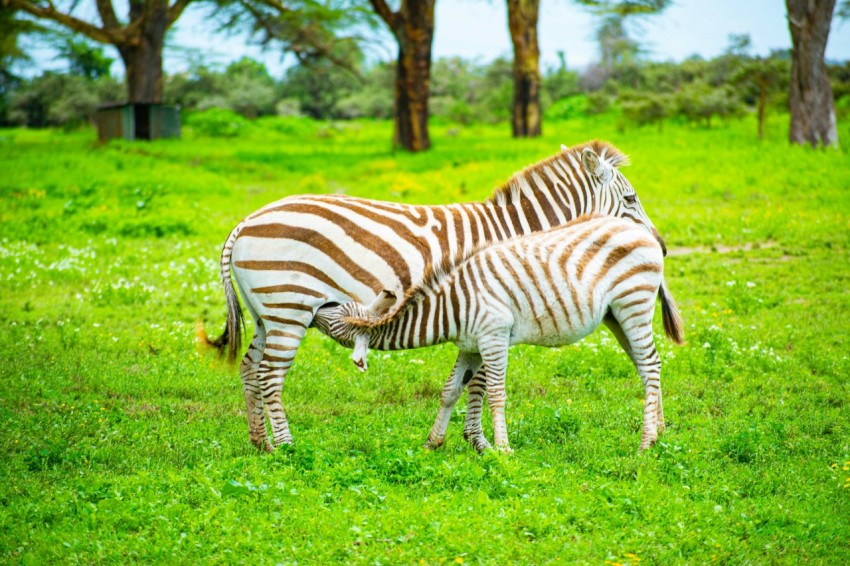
(811, 101)
(142, 57)
(522, 22)
(413, 28)
(413, 75)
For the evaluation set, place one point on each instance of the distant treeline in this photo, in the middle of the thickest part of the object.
(462, 91)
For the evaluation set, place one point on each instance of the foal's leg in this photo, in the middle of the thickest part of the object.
(472, 431)
(633, 328)
(494, 353)
(615, 329)
(465, 367)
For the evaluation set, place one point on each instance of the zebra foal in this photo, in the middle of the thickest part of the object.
(305, 252)
(549, 288)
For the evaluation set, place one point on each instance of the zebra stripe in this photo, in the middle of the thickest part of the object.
(301, 253)
(549, 288)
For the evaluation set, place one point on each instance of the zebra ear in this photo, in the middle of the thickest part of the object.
(382, 303)
(564, 148)
(595, 166)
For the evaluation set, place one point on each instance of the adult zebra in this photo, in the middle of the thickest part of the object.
(548, 288)
(304, 252)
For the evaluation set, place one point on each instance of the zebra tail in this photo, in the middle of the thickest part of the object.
(231, 338)
(673, 325)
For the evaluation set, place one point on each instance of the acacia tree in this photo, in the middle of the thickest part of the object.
(312, 31)
(139, 39)
(412, 25)
(811, 102)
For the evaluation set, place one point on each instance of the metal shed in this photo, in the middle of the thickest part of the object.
(137, 121)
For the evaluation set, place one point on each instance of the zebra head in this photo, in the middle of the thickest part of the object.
(613, 186)
(349, 324)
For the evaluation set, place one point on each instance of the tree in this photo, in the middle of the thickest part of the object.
(616, 48)
(84, 59)
(763, 75)
(811, 102)
(11, 29)
(309, 29)
(522, 23)
(412, 25)
(319, 86)
(139, 39)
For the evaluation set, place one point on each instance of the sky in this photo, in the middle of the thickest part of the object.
(477, 29)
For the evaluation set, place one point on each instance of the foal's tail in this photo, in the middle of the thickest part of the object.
(673, 325)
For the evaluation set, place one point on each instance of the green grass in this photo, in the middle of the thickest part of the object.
(122, 443)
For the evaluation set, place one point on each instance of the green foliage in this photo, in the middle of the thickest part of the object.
(60, 100)
(217, 123)
(647, 107)
(559, 82)
(84, 59)
(244, 87)
(570, 107)
(320, 86)
(123, 443)
(698, 101)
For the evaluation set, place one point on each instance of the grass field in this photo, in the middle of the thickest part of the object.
(121, 442)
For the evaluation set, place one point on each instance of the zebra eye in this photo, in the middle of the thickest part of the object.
(630, 198)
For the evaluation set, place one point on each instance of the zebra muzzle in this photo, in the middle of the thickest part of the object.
(361, 352)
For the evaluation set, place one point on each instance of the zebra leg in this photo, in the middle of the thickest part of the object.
(635, 335)
(494, 353)
(282, 341)
(251, 390)
(465, 367)
(472, 431)
(615, 329)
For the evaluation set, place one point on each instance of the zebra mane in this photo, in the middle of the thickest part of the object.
(605, 150)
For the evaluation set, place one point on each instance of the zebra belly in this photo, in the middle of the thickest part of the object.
(553, 339)
(552, 331)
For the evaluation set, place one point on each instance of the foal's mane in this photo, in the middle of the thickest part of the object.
(435, 274)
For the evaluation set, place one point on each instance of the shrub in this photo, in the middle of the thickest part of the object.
(217, 123)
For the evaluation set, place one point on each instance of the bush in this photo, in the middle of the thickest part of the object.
(60, 100)
(570, 107)
(217, 123)
(647, 108)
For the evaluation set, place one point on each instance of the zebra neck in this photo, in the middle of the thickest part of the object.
(553, 193)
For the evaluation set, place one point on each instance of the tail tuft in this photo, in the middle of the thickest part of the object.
(201, 337)
(673, 325)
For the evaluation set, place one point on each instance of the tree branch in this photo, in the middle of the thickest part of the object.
(383, 10)
(115, 36)
(175, 10)
(107, 14)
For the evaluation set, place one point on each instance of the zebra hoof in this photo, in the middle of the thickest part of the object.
(434, 443)
(480, 444)
(262, 444)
